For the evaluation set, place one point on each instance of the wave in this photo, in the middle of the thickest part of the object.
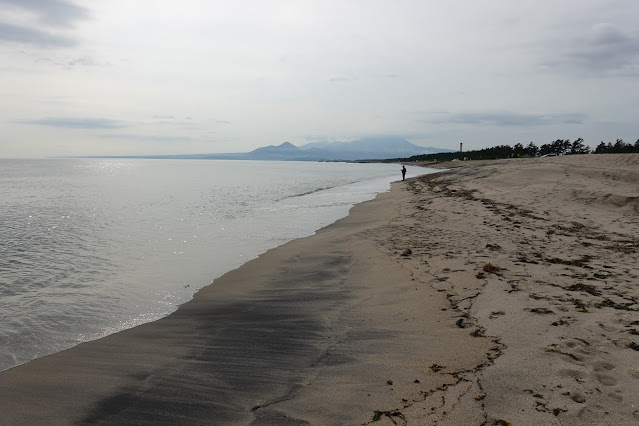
(319, 189)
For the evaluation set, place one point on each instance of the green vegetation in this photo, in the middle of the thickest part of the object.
(557, 147)
(619, 147)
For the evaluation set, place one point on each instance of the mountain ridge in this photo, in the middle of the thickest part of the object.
(373, 148)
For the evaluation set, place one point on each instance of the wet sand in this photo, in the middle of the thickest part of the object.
(392, 316)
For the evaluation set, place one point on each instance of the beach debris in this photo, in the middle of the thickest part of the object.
(478, 332)
(602, 275)
(377, 414)
(542, 311)
(578, 398)
(607, 303)
(558, 411)
(491, 269)
(436, 368)
(581, 262)
(633, 345)
(389, 382)
(407, 252)
(623, 247)
(565, 320)
(462, 323)
(521, 257)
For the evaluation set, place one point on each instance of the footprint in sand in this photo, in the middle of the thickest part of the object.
(616, 396)
(606, 379)
(579, 376)
(634, 374)
(600, 366)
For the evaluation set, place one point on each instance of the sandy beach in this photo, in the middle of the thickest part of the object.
(493, 293)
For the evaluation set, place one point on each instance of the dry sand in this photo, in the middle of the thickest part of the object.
(564, 305)
(347, 326)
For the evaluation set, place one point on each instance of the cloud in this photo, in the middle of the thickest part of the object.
(39, 22)
(52, 13)
(606, 50)
(13, 33)
(507, 119)
(77, 123)
(82, 61)
(146, 138)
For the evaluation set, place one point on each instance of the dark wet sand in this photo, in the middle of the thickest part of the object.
(251, 337)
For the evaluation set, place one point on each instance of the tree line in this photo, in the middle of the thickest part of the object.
(557, 147)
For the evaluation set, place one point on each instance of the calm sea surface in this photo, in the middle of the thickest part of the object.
(89, 247)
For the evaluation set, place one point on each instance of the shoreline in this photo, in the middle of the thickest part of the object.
(286, 345)
(347, 326)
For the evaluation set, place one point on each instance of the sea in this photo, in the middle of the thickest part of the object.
(90, 247)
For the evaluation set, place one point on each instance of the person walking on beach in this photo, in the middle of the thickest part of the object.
(403, 172)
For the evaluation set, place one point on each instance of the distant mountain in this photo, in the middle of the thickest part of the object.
(378, 148)
(371, 148)
(284, 152)
(365, 149)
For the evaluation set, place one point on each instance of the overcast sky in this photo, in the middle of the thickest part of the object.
(166, 77)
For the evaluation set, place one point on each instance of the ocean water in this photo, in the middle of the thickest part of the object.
(89, 247)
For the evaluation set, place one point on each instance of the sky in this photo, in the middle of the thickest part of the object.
(133, 77)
